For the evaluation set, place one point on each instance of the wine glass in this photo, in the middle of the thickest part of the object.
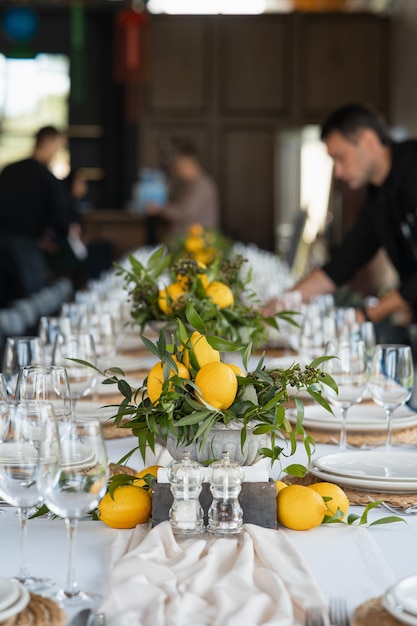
(18, 487)
(73, 474)
(101, 327)
(82, 378)
(368, 334)
(392, 379)
(349, 369)
(49, 327)
(20, 351)
(4, 409)
(42, 392)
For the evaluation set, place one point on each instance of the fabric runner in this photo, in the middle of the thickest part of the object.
(257, 578)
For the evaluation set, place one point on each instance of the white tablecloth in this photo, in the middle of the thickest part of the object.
(358, 563)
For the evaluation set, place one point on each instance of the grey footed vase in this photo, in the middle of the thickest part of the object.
(221, 439)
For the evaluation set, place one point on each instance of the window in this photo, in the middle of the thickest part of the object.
(33, 93)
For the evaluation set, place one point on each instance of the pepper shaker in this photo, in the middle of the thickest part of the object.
(225, 514)
(186, 478)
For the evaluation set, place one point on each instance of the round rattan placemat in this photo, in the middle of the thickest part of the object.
(372, 613)
(39, 612)
(403, 435)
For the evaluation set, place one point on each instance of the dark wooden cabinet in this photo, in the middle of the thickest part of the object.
(230, 84)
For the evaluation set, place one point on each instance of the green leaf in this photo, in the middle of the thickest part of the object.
(321, 359)
(246, 356)
(296, 470)
(387, 520)
(194, 318)
(151, 346)
(223, 345)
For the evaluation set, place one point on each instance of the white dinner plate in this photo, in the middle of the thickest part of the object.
(21, 602)
(95, 409)
(9, 593)
(393, 466)
(405, 593)
(362, 417)
(364, 484)
(395, 608)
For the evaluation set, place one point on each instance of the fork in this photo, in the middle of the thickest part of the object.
(338, 612)
(398, 510)
(314, 617)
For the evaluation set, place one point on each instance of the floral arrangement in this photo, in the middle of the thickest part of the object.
(205, 245)
(191, 390)
(163, 291)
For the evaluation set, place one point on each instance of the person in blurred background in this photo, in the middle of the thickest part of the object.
(364, 155)
(32, 204)
(194, 197)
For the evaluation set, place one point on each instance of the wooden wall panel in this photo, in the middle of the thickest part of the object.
(247, 185)
(255, 65)
(180, 65)
(342, 60)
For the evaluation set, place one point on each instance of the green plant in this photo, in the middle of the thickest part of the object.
(244, 321)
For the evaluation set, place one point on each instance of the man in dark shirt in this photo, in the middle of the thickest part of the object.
(365, 156)
(32, 203)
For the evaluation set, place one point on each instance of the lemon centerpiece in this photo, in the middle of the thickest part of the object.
(161, 290)
(192, 399)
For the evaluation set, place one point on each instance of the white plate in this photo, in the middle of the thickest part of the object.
(405, 593)
(392, 466)
(395, 608)
(363, 484)
(9, 593)
(21, 602)
(95, 409)
(361, 417)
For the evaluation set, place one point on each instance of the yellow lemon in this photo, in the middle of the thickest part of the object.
(235, 368)
(131, 506)
(152, 469)
(172, 297)
(217, 385)
(300, 508)
(280, 485)
(205, 256)
(195, 229)
(194, 243)
(221, 294)
(198, 351)
(339, 499)
(156, 378)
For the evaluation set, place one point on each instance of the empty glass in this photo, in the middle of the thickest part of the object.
(4, 409)
(391, 380)
(349, 369)
(73, 474)
(18, 352)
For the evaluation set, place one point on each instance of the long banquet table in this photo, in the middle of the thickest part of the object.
(358, 563)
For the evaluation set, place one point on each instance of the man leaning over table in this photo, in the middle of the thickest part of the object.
(364, 155)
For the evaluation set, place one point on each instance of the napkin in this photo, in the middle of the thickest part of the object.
(256, 578)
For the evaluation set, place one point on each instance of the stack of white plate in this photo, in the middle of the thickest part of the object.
(14, 597)
(401, 600)
(366, 417)
(369, 470)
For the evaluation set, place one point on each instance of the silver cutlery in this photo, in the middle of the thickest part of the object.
(314, 617)
(398, 510)
(82, 618)
(338, 612)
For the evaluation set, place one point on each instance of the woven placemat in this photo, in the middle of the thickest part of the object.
(356, 496)
(403, 435)
(110, 431)
(39, 612)
(372, 613)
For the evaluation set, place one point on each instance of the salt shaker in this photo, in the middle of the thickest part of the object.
(186, 478)
(225, 514)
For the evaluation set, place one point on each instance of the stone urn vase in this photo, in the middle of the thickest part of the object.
(221, 439)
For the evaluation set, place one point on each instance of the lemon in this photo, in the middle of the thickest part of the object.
(220, 294)
(195, 229)
(152, 469)
(172, 297)
(280, 485)
(300, 508)
(198, 351)
(205, 256)
(235, 368)
(194, 243)
(339, 499)
(131, 506)
(156, 378)
(217, 385)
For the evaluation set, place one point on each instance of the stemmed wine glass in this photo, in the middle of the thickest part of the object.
(42, 392)
(349, 369)
(18, 487)
(4, 409)
(392, 379)
(18, 352)
(73, 474)
(68, 350)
